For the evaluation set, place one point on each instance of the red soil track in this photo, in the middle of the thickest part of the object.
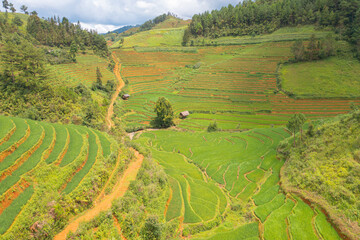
(120, 85)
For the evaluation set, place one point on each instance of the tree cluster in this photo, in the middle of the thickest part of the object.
(164, 113)
(315, 50)
(56, 32)
(295, 124)
(265, 16)
(98, 85)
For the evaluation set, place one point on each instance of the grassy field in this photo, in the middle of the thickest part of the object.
(330, 78)
(38, 157)
(153, 38)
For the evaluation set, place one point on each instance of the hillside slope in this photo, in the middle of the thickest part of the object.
(325, 169)
(50, 172)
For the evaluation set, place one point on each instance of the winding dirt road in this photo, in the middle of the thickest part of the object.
(120, 85)
(104, 204)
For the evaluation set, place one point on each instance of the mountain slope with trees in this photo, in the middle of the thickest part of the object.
(324, 167)
(266, 16)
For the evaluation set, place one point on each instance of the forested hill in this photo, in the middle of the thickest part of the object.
(266, 16)
(54, 32)
(29, 46)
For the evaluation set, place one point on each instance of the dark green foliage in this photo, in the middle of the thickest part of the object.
(152, 228)
(259, 16)
(17, 21)
(315, 50)
(58, 56)
(23, 64)
(143, 200)
(295, 124)
(110, 85)
(24, 9)
(73, 51)
(186, 37)
(53, 32)
(98, 84)
(212, 127)
(164, 113)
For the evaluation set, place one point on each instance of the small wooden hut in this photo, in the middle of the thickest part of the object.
(184, 114)
(125, 96)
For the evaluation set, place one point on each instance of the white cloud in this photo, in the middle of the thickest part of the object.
(106, 13)
(100, 28)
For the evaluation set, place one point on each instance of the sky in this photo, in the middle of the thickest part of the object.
(107, 15)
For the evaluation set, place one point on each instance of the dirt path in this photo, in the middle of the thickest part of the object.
(118, 191)
(120, 85)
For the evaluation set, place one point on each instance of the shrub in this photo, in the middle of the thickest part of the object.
(212, 127)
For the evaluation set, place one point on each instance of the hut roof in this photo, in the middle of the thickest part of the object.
(126, 95)
(185, 113)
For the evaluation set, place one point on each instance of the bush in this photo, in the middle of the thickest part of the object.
(212, 127)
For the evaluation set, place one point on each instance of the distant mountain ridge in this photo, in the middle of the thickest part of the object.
(123, 29)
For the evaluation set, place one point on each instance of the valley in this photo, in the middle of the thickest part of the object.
(237, 124)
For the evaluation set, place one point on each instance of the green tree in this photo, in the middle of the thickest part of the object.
(73, 51)
(164, 113)
(23, 64)
(24, 9)
(98, 76)
(295, 124)
(313, 48)
(301, 120)
(298, 50)
(98, 83)
(17, 21)
(152, 229)
(186, 37)
(5, 5)
(12, 8)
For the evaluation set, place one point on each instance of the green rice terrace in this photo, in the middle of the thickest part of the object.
(216, 176)
(38, 158)
(236, 83)
(241, 123)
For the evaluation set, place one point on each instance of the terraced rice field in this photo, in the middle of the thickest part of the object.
(209, 171)
(34, 154)
(234, 85)
(83, 71)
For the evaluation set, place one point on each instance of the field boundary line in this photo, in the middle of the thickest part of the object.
(64, 151)
(102, 193)
(13, 147)
(168, 201)
(9, 134)
(22, 159)
(12, 193)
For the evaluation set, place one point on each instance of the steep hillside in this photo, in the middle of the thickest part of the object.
(50, 172)
(324, 168)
